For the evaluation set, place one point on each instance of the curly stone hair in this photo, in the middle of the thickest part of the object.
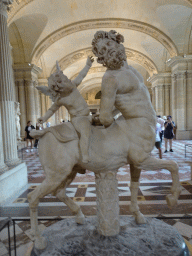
(99, 35)
(104, 35)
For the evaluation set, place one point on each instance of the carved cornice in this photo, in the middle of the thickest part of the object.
(165, 77)
(179, 60)
(16, 7)
(136, 56)
(5, 6)
(142, 59)
(105, 23)
(26, 71)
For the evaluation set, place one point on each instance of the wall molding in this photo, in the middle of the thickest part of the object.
(131, 54)
(111, 23)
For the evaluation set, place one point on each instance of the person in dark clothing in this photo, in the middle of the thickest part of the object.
(38, 127)
(168, 133)
(28, 138)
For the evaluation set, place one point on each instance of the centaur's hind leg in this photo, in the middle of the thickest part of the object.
(134, 208)
(61, 194)
(49, 185)
(153, 163)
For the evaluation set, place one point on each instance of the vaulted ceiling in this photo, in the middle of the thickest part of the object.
(43, 31)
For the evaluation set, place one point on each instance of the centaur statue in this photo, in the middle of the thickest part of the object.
(73, 147)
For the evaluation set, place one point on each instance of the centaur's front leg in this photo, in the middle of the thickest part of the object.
(134, 208)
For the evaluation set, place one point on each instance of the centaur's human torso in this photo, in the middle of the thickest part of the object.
(133, 101)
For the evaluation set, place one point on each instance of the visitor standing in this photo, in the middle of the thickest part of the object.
(38, 127)
(28, 138)
(158, 139)
(161, 122)
(168, 133)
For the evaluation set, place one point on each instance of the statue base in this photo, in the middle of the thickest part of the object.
(153, 238)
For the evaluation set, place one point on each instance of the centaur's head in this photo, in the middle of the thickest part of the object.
(108, 48)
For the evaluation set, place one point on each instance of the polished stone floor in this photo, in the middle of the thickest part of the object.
(155, 185)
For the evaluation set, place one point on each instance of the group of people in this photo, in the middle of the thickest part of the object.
(28, 138)
(164, 127)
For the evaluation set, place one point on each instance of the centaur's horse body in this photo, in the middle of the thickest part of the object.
(109, 149)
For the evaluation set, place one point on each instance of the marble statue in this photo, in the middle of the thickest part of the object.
(17, 121)
(64, 150)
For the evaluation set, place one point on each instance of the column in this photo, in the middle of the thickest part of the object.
(60, 114)
(181, 101)
(153, 98)
(7, 90)
(161, 93)
(43, 104)
(189, 100)
(181, 67)
(37, 103)
(3, 166)
(156, 99)
(57, 117)
(160, 100)
(30, 93)
(167, 100)
(174, 97)
(21, 99)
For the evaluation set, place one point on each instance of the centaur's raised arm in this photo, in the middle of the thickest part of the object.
(108, 95)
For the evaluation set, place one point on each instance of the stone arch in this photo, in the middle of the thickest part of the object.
(91, 71)
(90, 84)
(98, 95)
(16, 6)
(105, 23)
(18, 53)
(188, 37)
(134, 55)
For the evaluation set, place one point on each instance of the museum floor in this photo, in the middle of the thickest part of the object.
(151, 198)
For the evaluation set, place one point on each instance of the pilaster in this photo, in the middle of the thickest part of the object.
(182, 94)
(161, 93)
(13, 179)
(26, 77)
(22, 100)
(7, 92)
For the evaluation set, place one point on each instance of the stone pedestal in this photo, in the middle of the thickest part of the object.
(12, 182)
(153, 238)
(107, 203)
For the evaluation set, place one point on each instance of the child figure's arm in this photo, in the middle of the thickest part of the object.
(49, 113)
(84, 71)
